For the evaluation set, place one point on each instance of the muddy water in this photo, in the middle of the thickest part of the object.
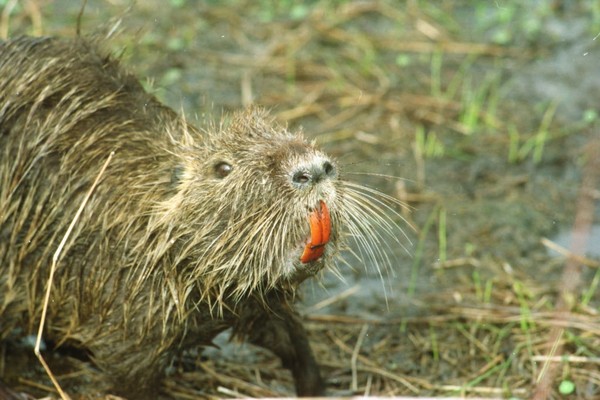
(567, 78)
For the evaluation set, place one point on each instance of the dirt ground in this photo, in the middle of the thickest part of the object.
(481, 116)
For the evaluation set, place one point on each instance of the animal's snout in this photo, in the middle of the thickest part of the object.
(314, 172)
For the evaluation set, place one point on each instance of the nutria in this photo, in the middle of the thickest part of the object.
(188, 233)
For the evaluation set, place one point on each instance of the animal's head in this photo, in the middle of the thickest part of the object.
(257, 206)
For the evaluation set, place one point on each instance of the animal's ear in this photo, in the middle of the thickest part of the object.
(176, 175)
(254, 122)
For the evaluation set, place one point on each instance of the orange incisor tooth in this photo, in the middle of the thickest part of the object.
(320, 231)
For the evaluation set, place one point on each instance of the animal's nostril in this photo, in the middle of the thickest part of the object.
(313, 173)
(301, 177)
(328, 168)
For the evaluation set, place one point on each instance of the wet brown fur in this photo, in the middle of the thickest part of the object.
(168, 253)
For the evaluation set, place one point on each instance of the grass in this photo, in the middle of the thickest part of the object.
(410, 92)
(590, 291)
(533, 146)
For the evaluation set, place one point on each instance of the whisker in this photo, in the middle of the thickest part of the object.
(383, 196)
(373, 223)
(369, 204)
(379, 175)
(364, 232)
(368, 245)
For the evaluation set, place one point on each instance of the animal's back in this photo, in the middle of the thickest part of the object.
(64, 106)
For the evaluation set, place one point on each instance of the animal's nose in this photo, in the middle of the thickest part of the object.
(313, 172)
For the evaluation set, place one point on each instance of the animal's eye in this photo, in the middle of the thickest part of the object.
(223, 169)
